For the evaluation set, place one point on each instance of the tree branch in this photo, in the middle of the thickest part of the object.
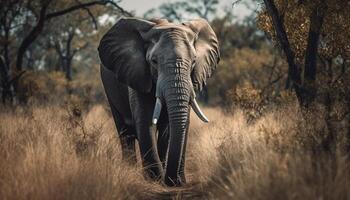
(34, 33)
(293, 70)
(94, 21)
(58, 49)
(85, 5)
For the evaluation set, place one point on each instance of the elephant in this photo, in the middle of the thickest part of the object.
(151, 70)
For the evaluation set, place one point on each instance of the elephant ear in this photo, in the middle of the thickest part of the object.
(207, 52)
(122, 51)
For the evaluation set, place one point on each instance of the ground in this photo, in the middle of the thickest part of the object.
(54, 152)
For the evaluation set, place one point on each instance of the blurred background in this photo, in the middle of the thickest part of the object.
(279, 102)
(49, 48)
(273, 53)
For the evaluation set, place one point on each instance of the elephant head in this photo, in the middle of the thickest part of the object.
(176, 59)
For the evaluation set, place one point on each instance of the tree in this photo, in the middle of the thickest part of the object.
(182, 10)
(314, 36)
(66, 53)
(69, 36)
(43, 16)
(307, 31)
(23, 21)
(6, 86)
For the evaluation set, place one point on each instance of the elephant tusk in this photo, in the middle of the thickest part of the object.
(156, 112)
(198, 111)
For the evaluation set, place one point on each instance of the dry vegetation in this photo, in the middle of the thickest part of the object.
(59, 153)
(266, 149)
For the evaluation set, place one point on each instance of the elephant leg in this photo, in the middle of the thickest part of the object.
(163, 142)
(126, 136)
(127, 141)
(142, 109)
(148, 150)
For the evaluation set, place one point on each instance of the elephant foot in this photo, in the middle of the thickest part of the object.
(153, 173)
(127, 141)
(174, 182)
(129, 158)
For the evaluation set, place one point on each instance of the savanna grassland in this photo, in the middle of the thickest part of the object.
(52, 152)
(278, 103)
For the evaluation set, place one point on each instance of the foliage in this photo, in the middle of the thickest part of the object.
(53, 88)
(335, 30)
(23, 22)
(247, 60)
(181, 10)
(41, 86)
(246, 67)
(311, 34)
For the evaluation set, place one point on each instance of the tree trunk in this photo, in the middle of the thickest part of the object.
(329, 143)
(69, 55)
(6, 47)
(68, 68)
(306, 91)
(293, 70)
(347, 147)
(6, 83)
(33, 34)
(316, 21)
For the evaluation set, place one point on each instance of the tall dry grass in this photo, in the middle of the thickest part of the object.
(59, 153)
(50, 153)
(268, 159)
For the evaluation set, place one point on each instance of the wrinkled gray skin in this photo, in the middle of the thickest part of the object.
(143, 61)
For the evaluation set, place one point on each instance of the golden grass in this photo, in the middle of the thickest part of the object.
(51, 153)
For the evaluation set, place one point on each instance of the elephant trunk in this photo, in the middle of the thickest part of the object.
(175, 90)
(193, 103)
(177, 100)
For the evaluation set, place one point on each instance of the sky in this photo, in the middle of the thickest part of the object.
(141, 6)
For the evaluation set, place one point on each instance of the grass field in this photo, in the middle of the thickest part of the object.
(56, 153)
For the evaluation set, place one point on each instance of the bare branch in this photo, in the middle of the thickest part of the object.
(94, 21)
(35, 32)
(85, 5)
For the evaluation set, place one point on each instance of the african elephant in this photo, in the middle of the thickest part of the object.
(150, 71)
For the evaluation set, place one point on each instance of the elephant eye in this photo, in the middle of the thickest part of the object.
(154, 61)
